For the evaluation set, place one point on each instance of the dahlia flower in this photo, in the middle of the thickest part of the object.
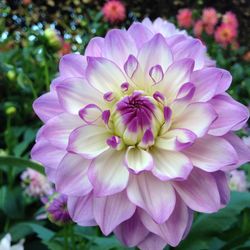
(237, 180)
(138, 134)
(57, 211)
(198, 28)
(230, 19)
(114, 11)
(36, 184)
(184, 18)
(225, 34)
(209, 16)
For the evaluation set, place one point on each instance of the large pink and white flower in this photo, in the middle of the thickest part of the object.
(138, 134)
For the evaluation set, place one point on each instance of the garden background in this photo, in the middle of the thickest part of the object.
(34, 35)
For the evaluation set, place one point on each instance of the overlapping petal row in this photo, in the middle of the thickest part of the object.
(138, 133)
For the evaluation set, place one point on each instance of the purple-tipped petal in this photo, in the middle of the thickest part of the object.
(157, 198)
(106, 116)
(108, 173)
(118, 45)
(90, 113)
(73, 65)
(232, 115)
(58, 129)
(95, 47)
(113, 141)
(88, 141)
(170, 165)
(74, 93)
(131, 232)
(156, 73)
(211, 153)
(104, 75)
(81, 210)
(210, 82)
(71, 176)
(199, 192)
(186, 92)
(131, 66)
(112, 210)
(138, 160)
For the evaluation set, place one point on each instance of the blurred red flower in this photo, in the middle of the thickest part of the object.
(114, 11)
(184, 18)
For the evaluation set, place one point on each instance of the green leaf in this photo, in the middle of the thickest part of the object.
(20, 162)
(209, 226)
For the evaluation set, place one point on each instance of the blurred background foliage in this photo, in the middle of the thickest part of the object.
(33, 37)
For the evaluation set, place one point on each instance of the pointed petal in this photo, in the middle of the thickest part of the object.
(104, 208)
(118, 45)
(95, 47)
(153, 52)
(73, 65)
(225, 106)
(47, 106)
(171, 165)
(88, 140)
(138, 160)
(81, 210)
(74, 93)
(197, 117)
(152, 241)
(58, 129)
(131, 232)
(211, 153)
(71, 176)
(173, 230)
(209, 82)
(152, 195)
(104, 75)
(108, 173)
(241, 149)
(199, 191)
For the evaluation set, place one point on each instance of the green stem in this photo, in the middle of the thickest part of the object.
(66, 242)
(73, 240)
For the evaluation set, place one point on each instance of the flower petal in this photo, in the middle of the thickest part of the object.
(104, 75)
(47, 106)
(71, 176)
(138, 160)
(58, 129)
(73, 65)
(240, 147)
(173, 230)
(152, 241)
(176, 139)
(199, 191)
(211, 153)
(170, 165)
(108, 173)
(95, 47)
(74, 93)
(118, 45)
(139, 33)
(131, 232)
(209, 82)
(81, 210)
(155, 52)
(197, 117)
(152, 195)
(232, 115)
(112, 210)
(88, 140)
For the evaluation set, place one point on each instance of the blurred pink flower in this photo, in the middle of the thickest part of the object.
(209, 17)
(198, 28)
(66, 48)
(36, 184)
(225, 34)
(184, 18)
(237, 181)
(230, 19)
(114, 11)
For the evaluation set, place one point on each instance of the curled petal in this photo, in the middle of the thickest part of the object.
(186, 91)
(131, 66)
(156, 73)
(90, 113)
(138, 160)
